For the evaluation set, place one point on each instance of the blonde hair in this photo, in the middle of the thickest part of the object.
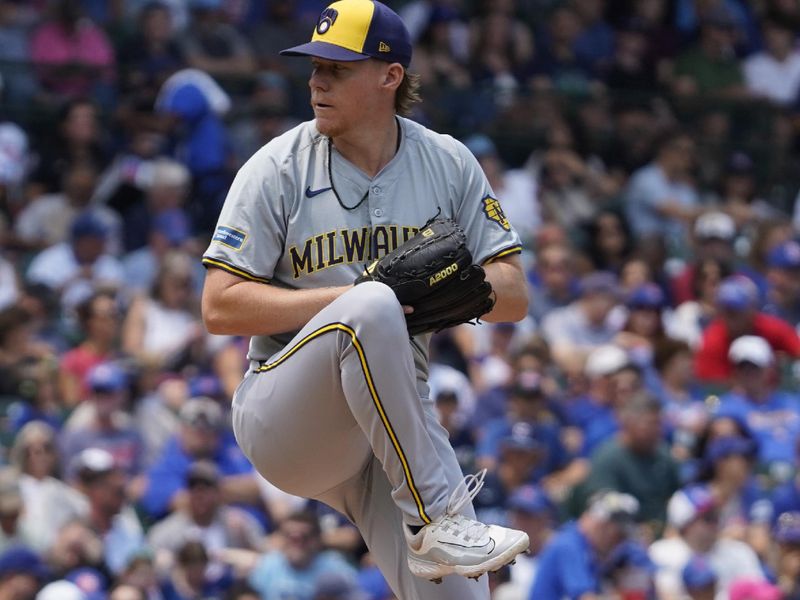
(407, 94)
(34, 430)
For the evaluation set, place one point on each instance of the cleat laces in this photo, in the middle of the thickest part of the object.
(458, 524)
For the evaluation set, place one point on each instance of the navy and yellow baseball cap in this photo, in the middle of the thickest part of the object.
(351, 30)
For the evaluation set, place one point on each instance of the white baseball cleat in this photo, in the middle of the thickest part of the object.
(457, 544)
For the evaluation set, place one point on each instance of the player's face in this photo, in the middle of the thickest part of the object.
(343, 94)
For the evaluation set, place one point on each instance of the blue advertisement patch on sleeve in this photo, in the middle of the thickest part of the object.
(230, 237)
(493, 211)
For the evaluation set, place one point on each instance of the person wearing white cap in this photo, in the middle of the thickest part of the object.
(61, 590)
(714, 236)
(694, 516)
(772, 415)
(601, 365)
(738, 313)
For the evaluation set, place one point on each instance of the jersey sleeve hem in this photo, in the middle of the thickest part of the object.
(515, 249)
(239, 272)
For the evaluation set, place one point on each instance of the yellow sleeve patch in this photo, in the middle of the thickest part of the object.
(494, 212)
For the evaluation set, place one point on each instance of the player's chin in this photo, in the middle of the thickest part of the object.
(327, 127)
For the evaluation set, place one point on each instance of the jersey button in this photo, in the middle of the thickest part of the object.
(377, 190)
(378, 212)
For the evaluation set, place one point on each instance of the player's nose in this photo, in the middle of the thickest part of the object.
(317, 81)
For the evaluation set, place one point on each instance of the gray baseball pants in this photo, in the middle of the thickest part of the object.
(336, 416)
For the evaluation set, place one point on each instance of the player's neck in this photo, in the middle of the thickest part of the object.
(370, 148)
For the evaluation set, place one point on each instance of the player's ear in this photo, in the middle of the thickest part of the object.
(393, 76)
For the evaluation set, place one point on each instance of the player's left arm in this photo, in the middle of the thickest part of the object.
(508, 284)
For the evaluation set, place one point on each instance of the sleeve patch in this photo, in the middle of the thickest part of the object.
(230, 237)
(494, 212)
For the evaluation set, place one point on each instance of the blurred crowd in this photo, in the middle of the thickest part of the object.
(642, 424)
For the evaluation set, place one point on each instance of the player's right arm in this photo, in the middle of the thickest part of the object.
(236, 306)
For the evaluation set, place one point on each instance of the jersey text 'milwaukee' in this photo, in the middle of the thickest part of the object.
(347, 246)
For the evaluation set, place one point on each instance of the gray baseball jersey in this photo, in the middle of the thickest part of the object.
(339, 411)
(282, 224)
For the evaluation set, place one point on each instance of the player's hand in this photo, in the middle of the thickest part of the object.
(407, 310)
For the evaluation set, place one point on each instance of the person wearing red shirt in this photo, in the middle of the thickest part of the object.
(738, 315)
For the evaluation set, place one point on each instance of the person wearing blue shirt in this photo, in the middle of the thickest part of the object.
(771, 415)
(658, 198)
(570, 564)
(527, 405)
(293, 572)
(200, 436)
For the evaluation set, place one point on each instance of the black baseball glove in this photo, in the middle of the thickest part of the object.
(433, 272)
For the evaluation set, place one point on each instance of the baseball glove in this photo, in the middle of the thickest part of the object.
(433, 272)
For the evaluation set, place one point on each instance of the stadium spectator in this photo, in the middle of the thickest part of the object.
(738, 315)
(660, 198)
(204, 519)
(213, 46)
(552, 283)
(110, 517)
(593, 408)
(609, 243)
(501, 46)
(699, 578)
(76, 267)
(127, 592)
(191, 106)
(714, 237)
(79, 139)
(169, 233)
(574, 330)
(72, 40)
(293, 570)
(774, 73)
(162, 185)
(745, 511)
(22, 573)
(531, 511)
(690, 318)
(98, 322)
(160, 327)
(101, 421)
(783, 278)
(637, 461)
(46, 220)
(693, 514)
(49, 502)
(710, 67)
(556, 64)
(515, 188)
(13, 530)
(569, 563)
(151, 54)
(644, 327)
(684, 411)
(771, 415)
(201, 436)
(190, 578)
(631, 66)
(269, 115)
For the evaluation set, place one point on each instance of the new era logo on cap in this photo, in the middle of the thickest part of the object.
(351, 30)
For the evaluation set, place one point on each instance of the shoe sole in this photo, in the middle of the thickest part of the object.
(435, 571)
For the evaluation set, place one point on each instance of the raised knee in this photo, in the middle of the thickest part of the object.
(376, 302)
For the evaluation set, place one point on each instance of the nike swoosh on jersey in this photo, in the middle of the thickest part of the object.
(311, 193)
(489, 551)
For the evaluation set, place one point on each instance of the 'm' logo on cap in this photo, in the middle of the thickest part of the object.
(384, 47)
(326, 20)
